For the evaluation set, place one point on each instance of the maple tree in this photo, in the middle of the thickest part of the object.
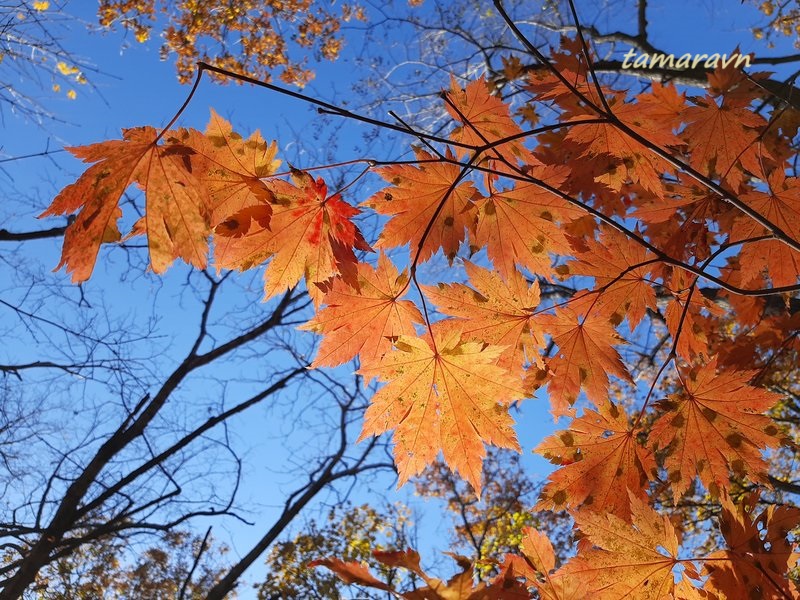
(618, 213)
(256, 37)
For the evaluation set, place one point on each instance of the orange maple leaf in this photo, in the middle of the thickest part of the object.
(758, 555)
(626, 288)
(713, 427)
(570, 62)
(723, 139)
(585, 359)
(363, 320)
(495, 312)
(773, 258)
(406, 559)
(507, 584)
(442, 394)
(310, 234)
(520, 225)
(627, 560)
(601, 460)
(428, 206)
(536, 566)
(780, 206)
(634, 159)
(486, 118)
(661, 107)
(176, 207)
(683, 197)
(350, 572)
(459, 587)
(686, 323)
(233, 167)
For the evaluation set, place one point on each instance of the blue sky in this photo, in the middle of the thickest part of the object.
(140, 89)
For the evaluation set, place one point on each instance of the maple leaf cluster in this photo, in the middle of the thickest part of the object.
(629, 209)
(266, 33)
(633, 558)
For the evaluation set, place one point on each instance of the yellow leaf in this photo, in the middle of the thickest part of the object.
(65, 69)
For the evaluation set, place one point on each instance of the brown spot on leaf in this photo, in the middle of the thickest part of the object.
(478, 297)
(709, 414)
(668, 405)
(734, 440)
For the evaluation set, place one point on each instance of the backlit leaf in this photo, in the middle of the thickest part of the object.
(442, 394)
